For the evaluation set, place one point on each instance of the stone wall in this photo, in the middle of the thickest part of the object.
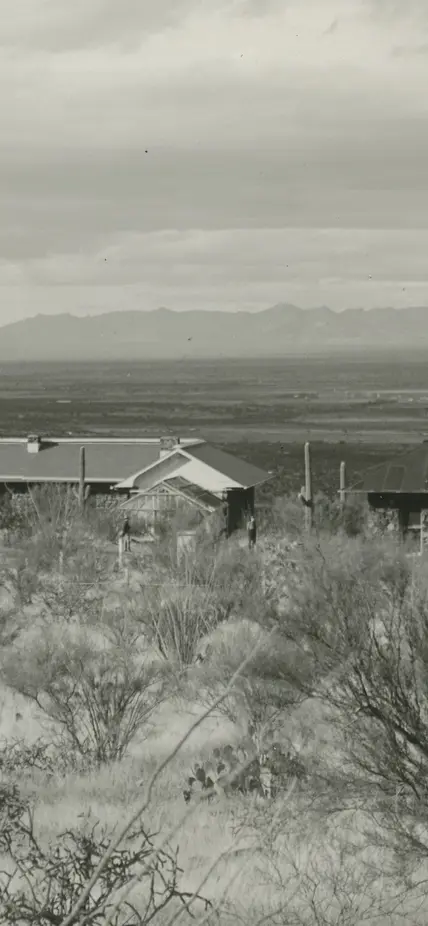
(383, 522)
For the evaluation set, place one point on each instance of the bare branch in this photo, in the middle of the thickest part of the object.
(69, 920)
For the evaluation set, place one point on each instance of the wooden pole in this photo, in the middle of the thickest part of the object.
(309, 511)
(342, 484)
(422, 532)
(82, 478)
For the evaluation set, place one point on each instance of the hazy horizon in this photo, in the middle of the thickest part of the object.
(220, 310)
(198, 154)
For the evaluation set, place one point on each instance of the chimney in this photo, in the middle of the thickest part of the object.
(167, 444)
(34, 443)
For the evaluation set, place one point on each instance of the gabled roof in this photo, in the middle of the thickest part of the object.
(116, 461)
(200, 464)
(404, 474)
(237, 470)
(108, 461)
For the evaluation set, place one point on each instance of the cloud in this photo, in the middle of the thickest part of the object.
(405, 51)
(234, 269)
(229, 76)
(332, 27)
(58, 25)
(121, 121)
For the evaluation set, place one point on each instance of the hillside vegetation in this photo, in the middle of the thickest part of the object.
(117, 682)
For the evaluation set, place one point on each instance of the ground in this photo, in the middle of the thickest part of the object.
(372, 399)
(362, 412)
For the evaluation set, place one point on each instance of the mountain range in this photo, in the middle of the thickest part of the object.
(281, 330)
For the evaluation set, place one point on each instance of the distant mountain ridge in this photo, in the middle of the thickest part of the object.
(282, 329)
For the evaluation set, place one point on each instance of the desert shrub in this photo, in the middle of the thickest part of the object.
(22, 580)
(360, 616)
(230, 573)
(66, 597)
(100, 694)
(13, 520)
(11, 621)
(355, 516)
(331, 517)
(176, 618)
(196, 595)
(52, 511)
(265, 692)
(104, 518)
(286, 517)
(41, 551)
(103, 522)
(44, 884)
(18, 758)
(79, 584)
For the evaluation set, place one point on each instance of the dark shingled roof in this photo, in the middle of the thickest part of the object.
(104, 462)
(110, 461)
(406, 474)
(233, 468)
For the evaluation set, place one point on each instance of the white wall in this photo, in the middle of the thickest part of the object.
(207, 478)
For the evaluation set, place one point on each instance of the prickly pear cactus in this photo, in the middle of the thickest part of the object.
(232, 770)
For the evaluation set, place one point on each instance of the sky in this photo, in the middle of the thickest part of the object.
(200, 154)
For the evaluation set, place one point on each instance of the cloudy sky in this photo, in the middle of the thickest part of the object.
(224, 154)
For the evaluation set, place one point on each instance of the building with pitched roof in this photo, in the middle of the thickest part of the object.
(198, 474)
(146, 475)
(400, 485)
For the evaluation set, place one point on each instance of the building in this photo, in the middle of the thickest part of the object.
(399, 485)
(145, 475)
(199, 475)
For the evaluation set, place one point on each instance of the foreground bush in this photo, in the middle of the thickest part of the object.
(197, 595)
(44, 885)
(360, 616)
(101, 694)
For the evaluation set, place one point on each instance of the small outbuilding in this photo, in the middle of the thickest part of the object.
(198, 475)
(400, 485)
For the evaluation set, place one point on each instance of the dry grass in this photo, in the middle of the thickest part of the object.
(277, 856)
(290, 859)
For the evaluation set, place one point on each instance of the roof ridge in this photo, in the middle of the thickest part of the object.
(185, 441)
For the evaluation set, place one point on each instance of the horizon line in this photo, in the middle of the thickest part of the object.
(220, 311)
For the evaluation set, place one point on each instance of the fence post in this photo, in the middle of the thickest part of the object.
(120, 550)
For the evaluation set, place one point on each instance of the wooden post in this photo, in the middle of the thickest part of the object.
(342, 484)
(422, 542)
(403, 521)
(82, 479)
(309, 511)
